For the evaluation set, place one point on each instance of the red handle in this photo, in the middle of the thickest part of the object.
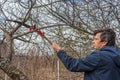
(40, 33)
(37, 30)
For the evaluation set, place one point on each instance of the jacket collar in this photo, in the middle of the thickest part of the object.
(109, 48)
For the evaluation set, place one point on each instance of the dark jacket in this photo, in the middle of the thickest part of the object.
(103, 64)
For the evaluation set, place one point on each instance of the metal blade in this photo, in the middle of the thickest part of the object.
(26, 25)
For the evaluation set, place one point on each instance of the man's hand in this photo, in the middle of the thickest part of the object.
(56, 46)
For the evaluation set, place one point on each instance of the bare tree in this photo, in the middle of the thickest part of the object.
(68, 22)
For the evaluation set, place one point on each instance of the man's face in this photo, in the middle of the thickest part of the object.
(97, 44)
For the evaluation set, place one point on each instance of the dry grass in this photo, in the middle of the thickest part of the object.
(42, 68)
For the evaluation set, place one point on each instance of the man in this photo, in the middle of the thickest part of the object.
(101, 64)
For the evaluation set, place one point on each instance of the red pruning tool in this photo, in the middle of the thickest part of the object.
(42, 34)
(32, 28)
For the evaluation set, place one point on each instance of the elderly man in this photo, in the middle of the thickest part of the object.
(101, 64)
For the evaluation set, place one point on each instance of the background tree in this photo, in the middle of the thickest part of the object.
(67, 22)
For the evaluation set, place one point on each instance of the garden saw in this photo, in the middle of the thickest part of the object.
(32, 28)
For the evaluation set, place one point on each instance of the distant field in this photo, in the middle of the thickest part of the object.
(42, 68)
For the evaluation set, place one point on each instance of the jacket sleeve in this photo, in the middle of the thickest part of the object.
(116, 59)
(88, 63)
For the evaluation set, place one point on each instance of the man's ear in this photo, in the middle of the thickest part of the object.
(105, 43)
